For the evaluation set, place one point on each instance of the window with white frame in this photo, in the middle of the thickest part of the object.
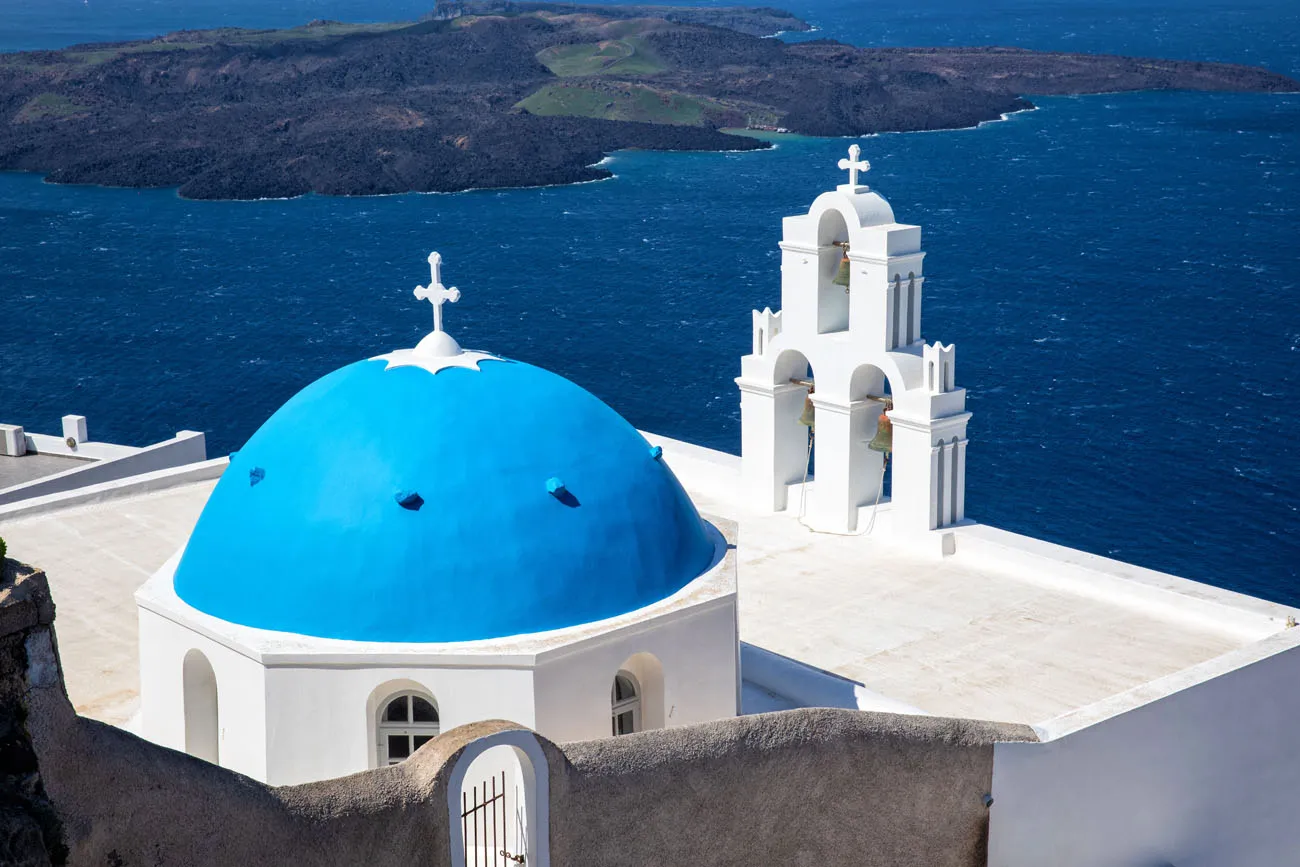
(406, 722)
(625, 704)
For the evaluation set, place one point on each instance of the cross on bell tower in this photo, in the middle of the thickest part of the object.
(855, 165)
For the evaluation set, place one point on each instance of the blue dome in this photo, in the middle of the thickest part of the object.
(403, 505)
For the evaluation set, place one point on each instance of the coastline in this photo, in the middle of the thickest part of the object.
(772, 138)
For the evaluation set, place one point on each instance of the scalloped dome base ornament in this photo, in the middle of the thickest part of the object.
(438, 350)
(466, 358)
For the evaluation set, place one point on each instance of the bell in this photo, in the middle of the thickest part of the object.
(883, 441)
(808, 417)
(842, 275)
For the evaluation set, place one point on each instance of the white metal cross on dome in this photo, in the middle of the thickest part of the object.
(854, 165)
(435, 293)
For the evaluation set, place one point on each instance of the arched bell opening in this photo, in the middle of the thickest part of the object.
(833, 273)
(795, 419)
(871, 453)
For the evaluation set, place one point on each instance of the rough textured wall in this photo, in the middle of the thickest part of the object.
(80, 792)
(30, 831)
(808, 787)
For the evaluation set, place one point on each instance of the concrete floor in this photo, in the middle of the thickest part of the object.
(95, 557)
(32, 466)
(945, 637)
(950, 636)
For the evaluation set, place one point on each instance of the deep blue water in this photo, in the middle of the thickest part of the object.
(1120, 274)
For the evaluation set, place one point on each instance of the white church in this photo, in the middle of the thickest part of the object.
(437, 536)
(429, 538)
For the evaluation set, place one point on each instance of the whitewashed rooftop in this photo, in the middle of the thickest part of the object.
(96, 554)
(1006, 628)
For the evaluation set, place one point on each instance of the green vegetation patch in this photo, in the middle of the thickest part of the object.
(618, 102)
(48, 106)
(315, 30)
(611, 57)
(623, 100)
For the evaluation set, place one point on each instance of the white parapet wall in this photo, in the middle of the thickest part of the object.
(804, 685)
(1198, 768)
(105, 463)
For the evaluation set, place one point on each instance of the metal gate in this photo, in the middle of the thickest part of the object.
(484, 822)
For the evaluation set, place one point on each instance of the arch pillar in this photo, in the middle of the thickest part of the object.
(848, 473)
(929, 488)
(774, 444)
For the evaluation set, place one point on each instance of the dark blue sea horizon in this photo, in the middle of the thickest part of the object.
(1119, 273)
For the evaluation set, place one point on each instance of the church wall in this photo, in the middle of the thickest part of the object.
(1205, 775)
(241, 694)
(696, 649)
(321, 720)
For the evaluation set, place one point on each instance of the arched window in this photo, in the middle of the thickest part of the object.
(625, 704)
(406, 722)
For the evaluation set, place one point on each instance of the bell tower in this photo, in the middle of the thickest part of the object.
(847, 344)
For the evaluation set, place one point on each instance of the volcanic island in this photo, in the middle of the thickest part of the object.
(485, 94)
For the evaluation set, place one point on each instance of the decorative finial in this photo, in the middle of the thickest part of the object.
(438, 350)
(854, 165)
(435, 293)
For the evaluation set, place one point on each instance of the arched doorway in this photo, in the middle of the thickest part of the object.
(202, 719)
(498, 802)
(407, 721)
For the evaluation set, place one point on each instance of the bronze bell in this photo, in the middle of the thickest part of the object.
(842, 275)
(883, 441)
(808, 418)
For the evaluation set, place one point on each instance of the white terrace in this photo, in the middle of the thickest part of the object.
(1005, 628)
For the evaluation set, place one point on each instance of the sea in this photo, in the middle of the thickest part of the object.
(1120, 274)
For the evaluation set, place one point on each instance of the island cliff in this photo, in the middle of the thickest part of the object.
(490, 94)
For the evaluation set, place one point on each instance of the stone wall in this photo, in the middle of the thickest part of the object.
(808, 787)
(814, 787)
(30, 830)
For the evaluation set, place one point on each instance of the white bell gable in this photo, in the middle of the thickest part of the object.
(861, 346)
